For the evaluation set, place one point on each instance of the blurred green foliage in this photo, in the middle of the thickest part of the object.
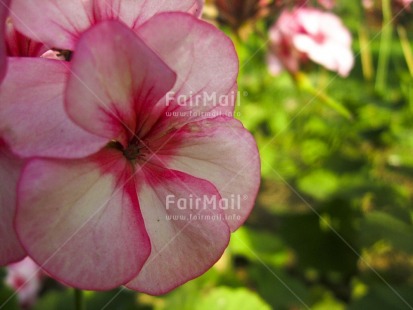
(332, 227)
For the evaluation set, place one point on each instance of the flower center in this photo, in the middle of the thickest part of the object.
(132, 151)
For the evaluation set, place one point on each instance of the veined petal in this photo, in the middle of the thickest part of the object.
(18, 45)
(33, 121)
(80, 220)
(223, 152)
(115, 81)
(186, 240)
(205, 62)
(10, 166)
(135, 12)
(60, 23)
(4, 10)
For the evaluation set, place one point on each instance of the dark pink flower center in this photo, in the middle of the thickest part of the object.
(132, 151)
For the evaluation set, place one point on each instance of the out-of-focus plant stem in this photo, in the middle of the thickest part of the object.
(304, 84)
(407, 50)
(79, 300)
(365, 53)
(385, 47)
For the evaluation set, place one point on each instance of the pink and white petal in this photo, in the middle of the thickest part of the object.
(55, 23)
(18, 45)
(4, 11)
(223, 152)
(185, 241)
(135, 12)
(345, 62)
(33, 121)
(60, 23)
(10, 166)
(80, 220)
(204, 59)
(115, 81)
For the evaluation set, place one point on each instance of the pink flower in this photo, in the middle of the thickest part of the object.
(110, 204)
(43, 85)
(25, 278)
(309, 34)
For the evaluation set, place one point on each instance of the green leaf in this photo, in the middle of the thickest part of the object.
(319, 184)
(223, 298)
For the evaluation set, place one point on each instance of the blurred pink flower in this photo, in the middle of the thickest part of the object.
(328, 4)
(94, 211)
(308, 34)
(25, 278)
(236, 13)
(405, 3)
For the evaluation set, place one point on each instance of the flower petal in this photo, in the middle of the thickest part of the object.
(60, 23)
(4, 10)
(80, 220)
(135, 12)
(32, 117)
(115, 81)
(204, 59)
(223, 152)
(10, 248)
(18, 45)
(185, 241)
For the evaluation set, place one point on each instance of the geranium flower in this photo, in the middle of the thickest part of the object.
(43, 84)
(25, 278)
(106, 218)
(309, 34)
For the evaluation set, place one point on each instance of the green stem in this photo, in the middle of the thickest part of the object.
(305, 85)
(407, 50)
(365, 53)
(79, 300)
(385, 47)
